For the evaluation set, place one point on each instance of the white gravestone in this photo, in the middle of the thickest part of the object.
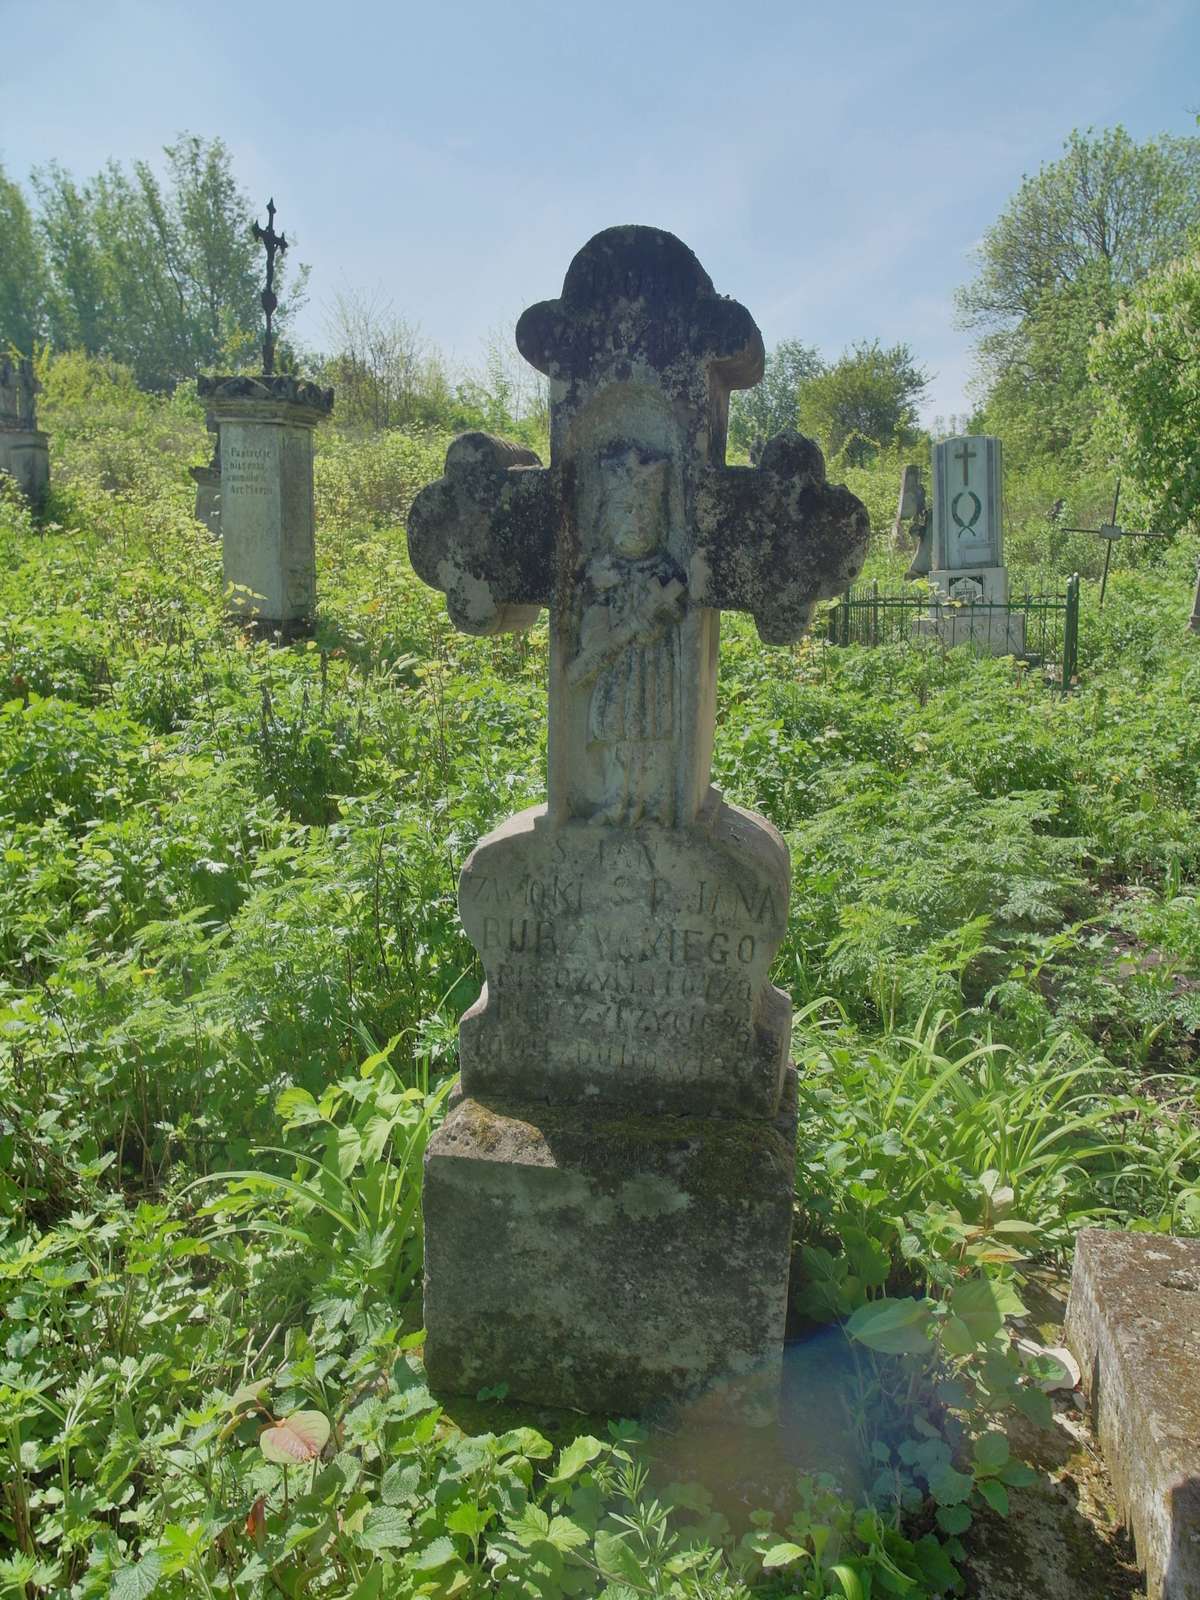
(608, 1204)
(967, 548)
(267, 515)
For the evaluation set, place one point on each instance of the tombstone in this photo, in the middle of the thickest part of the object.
(208, 484)
(268, 541)
(1194, 619)
(912, 508)
(965, 550)
(608, 1203)
(24, 448)
(1133, 1324)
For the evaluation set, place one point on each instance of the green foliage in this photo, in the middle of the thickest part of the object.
(1074, 237)
(864, 402)
(758, 414)
(230, 976)
(22, 274)
(1147, 365)
(162, 276)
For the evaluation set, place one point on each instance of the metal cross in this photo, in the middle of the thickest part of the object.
(1112, 531)
(273, 243)
(964, 455)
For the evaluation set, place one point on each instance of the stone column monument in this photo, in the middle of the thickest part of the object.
(608, 1203)
(267, 517)
(24, 448)
(208, 484)
(962, 549)
(265, 446)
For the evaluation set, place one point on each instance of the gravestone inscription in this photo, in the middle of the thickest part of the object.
(608, 1204)
(267, 514)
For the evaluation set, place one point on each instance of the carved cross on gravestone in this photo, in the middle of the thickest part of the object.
(628, 926)
(637, 535)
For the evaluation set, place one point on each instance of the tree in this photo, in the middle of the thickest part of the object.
(866, 400)
(162, 275)
(379, 367)
(1146, 365)
(1053, 266)
(770, 407)
(22, 273)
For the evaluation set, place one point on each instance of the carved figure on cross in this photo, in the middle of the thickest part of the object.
(637, 535)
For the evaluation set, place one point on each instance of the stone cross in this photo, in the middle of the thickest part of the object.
(624, 1076)
(637, 535)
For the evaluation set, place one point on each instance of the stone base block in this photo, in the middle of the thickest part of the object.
(988, 631)
(617, 1266)
(1133, 1322)
(208, 498)
(25, 454)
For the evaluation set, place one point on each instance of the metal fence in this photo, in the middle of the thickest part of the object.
(1040, 629)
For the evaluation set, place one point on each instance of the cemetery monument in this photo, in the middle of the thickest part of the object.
(608, 1203)
(24, 448)
(961, 551)
(265, 442)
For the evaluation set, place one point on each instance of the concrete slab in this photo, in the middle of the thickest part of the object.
(1133, 1322)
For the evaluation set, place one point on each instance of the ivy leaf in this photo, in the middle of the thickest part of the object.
(982, 1304)
(954, 1519)
(575, 1456)
(616, 1560)
(300, 1437)
(991, 1451)
(139, 1580)
(439, 1553)
(782, 1555)
(400, 1482)
(949, 1487)
(894, 1327)
(385, 1528)
(995, 1494)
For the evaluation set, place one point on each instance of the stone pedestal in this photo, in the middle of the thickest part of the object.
(25, 454)
(970, 607)
(208, 498)
(613, 1264)
(267, 516)
(1133, 1323)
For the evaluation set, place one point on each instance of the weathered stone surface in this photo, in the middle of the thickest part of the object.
(266, 495)
(629, 968)
(208, 498)
(607, 1212)
(24, 448)
(612, 1265)
(19, 389)
(25, 455)
(1133, 1322)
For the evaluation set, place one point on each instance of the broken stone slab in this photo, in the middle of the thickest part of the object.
(1133, 1321)
(622, 1265)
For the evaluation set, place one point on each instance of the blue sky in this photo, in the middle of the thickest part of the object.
(831, 165)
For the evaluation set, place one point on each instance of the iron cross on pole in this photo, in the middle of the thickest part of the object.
(273, 243)
(1111, 531)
